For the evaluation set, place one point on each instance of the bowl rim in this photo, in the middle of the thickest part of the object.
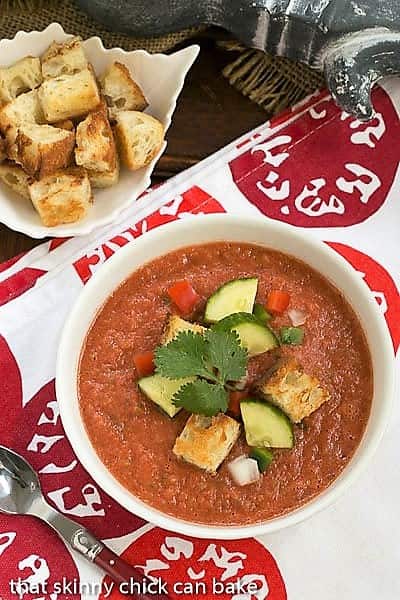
(128, 500)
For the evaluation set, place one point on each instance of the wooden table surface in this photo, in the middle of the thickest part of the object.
(210, 114)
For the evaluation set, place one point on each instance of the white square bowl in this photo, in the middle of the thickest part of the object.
(160, 76)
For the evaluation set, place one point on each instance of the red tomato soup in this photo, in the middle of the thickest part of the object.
(134, 439)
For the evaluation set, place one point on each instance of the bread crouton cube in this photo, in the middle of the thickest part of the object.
(26, 108)
(24, 75)
(95, 144)
(293, 391)
(206, 441)
(120, 90)
(64, 197)
(15, 178)
(43, 150)
(66, 124)
(175, 325)
(3, 149)
(65, 58)
(69, 96)
(139, 137)
(104, 179)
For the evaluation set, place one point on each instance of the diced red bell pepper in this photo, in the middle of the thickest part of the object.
(144, 363)
(184, 296)
(235, 399)
(277, 302)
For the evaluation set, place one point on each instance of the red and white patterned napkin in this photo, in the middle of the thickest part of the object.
(316, 168)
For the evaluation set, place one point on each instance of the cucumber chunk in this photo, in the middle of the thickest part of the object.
(292, 336)
(261, 314)
(161, 391)
(266, 425)
(254, 336)
(232, 297)
(263, 456)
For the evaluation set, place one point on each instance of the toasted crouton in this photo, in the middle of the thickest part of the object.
(69, 96)
(95, 144)
(139, 136)
(67, 124)
(207, 441)
(104, 179)
(24, 75)
(293, 391)
(63, 197)
(120, 91)
(3, 150)
(15, 178)
(175, 325)
(43, 150)
(65, 58)
(25, 108)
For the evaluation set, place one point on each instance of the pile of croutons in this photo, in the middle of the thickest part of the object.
(63, 131)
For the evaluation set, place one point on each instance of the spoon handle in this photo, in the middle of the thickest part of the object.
(84, 542)
(121, 572)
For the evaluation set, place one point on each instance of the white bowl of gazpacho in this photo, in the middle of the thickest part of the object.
(225, 376)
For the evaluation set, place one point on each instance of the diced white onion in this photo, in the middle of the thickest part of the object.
(242, 383)
(297, 316)
(244, 470)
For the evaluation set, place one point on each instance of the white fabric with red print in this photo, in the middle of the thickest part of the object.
(314, 167)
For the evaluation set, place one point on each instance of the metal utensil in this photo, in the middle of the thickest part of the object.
(354, 42)
(20, 494)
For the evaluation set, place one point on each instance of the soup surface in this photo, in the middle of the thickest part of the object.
(134, 439)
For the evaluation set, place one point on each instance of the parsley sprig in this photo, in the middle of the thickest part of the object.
(214, 359)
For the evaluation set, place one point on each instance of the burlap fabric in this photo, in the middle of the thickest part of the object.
(29, 15)
(273, 83)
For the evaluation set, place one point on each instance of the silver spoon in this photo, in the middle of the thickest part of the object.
(20, 494)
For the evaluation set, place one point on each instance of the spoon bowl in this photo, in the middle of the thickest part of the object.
(21, 494)
(19, 484)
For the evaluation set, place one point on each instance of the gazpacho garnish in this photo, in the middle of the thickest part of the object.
(263, 456)
(293, 391)
(277, 302)
(266, 425)
(254, 336)
(207, 441)
(244, 470)
(184, 296)
(215, 358)
(201, 370)
(162, 391)
(144, 363)
(261, 313)
(297, 316)
(292, 336)
(232, 297)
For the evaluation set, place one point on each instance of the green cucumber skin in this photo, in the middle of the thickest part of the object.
(263, 456)
(164, 403)
(261, 314)
(292, 336)
(209, 311)
(268, 409)
(232, 322)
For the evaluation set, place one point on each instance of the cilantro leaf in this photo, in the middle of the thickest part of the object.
(182, 357)
(214, 358)
(226, 354)
(202, 398)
